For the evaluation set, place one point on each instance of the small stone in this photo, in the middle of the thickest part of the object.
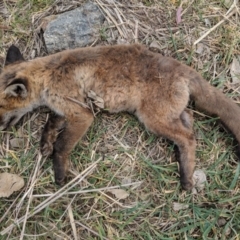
(221, 222)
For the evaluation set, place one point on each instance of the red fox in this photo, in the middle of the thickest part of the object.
(156, 89)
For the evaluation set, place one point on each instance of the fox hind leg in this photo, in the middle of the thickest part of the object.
(180, 132)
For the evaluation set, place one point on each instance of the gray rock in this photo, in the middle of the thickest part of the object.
(76, 28)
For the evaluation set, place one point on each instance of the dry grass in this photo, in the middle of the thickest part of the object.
(141, 163)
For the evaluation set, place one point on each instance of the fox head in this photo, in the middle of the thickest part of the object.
(14, 89)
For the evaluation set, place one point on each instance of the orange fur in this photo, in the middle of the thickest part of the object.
(128, 78)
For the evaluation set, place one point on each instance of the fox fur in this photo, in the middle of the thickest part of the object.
(156, 89)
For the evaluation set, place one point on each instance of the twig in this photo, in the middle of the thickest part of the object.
(13, 204)
(28, 187)
(33, 181)
(78, 102)
(72, 222)
(110, 16)
(53, 197)
(54, 232)
(92, 190)
(90, 230)
(116, 10)
(214, 27)
(136, 31)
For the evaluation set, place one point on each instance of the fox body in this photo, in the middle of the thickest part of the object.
(128, 78)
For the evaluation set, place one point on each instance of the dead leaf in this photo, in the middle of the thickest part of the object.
(194, 191)
(10, 183)
(200, 48)
(17, 143)
(91, 94)
(119, 193)
(235, 70)
(203, 50)
(179, 206)
(155, 45)
(98, 101)
(199, 178)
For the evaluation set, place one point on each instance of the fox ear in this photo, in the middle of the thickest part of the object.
(18, 88)
(13, 55)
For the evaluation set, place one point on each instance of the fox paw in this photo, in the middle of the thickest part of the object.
(186, 184)
(60, 181)
(47, 149)
(59, 176)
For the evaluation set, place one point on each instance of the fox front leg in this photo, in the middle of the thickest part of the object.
(76, 126)
(52, 129)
